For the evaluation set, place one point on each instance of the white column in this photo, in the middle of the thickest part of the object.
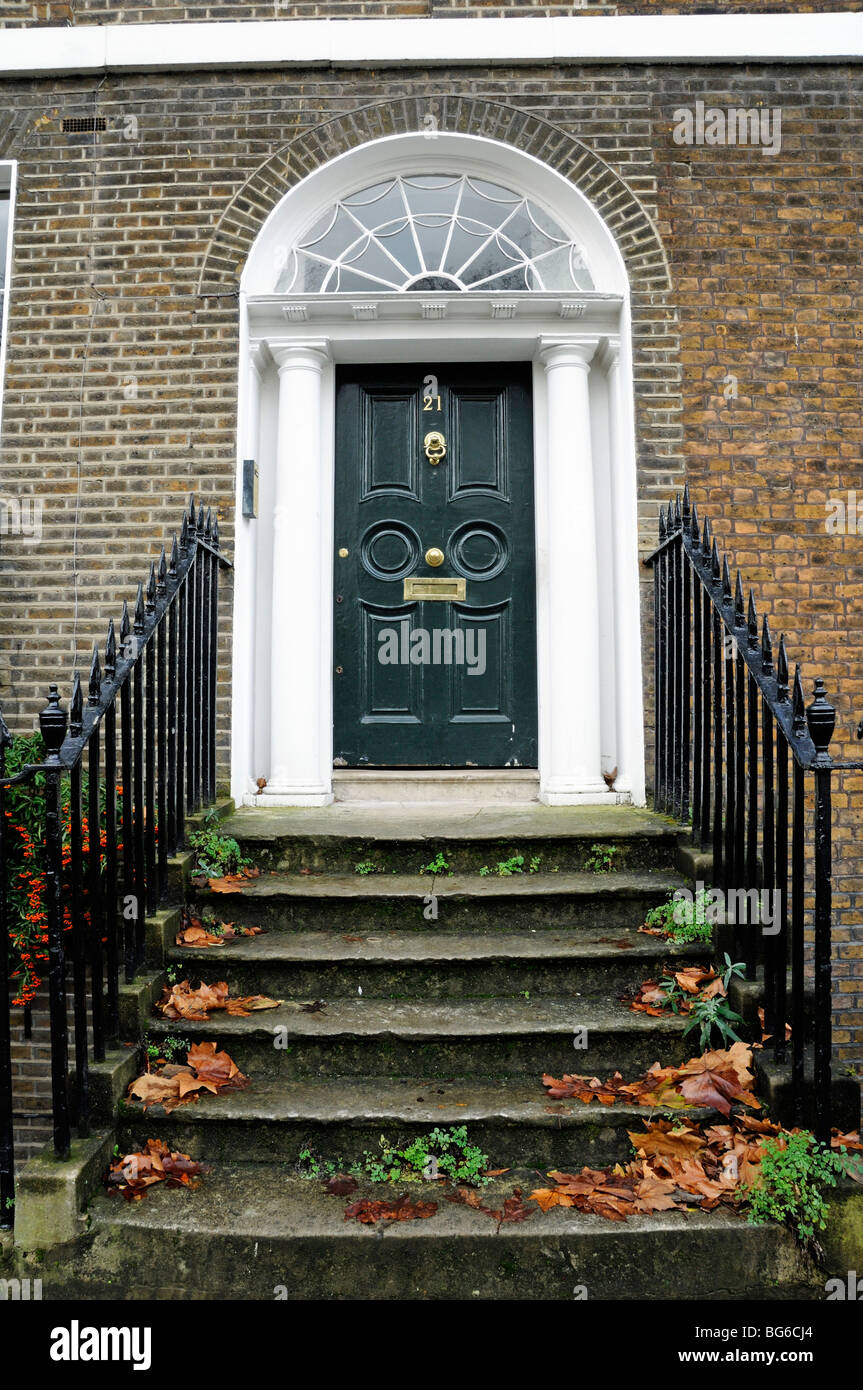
(245, 586)
(627, 607)
(300, 737)
(570, 760)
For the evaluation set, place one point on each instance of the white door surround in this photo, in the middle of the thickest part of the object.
(588, 629)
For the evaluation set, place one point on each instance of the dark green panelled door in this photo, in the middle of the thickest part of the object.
(420, 681)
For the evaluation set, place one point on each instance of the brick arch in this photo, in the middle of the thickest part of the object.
(627, 219)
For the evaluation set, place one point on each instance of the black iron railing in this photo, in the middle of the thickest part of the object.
(149, 717)
(737, 749)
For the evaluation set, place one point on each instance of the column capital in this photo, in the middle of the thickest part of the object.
(574, 350)
(309, 354)
(257, 353)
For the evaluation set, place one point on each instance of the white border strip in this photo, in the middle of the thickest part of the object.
(761, 38)
(8, 169)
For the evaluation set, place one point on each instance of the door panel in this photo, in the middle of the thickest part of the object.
(433, 683)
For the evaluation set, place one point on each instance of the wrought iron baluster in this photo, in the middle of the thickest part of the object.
(140, 858)
(821, 721)
(80, 947)
(52, 723)
(161, 740)
(7, 1131)
(94, 868)
(112, 918)
(150, 750)
(173, 707)
(780, 899)
(130, 909)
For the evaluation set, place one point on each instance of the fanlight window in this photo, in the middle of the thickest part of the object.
(434, 232)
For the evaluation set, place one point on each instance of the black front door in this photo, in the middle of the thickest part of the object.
(435, 607)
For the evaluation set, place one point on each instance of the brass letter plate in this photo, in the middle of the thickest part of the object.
(435, 588)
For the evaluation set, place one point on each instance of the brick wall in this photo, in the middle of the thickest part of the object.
(78, 12)
(748, 365)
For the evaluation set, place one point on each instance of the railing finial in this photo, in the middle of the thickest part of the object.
(208, 524)
(821, 721)
(739, 610)
(138, 624)
(216, 530)
(687, 506)
(693, 529)
(95, 688)
(184, 533)
(706, 534)
(715, 567)
(163, 571)
(726, 579)
(110, 651)
(125, 626)
(752, 622)
(175, 557)
(76, 708)
(52, 725)
(200, 526)
(191, 514)
(678, 519)
(662, 531)
(151, 589)
(782, 672)
(798, 722)
(766, 648)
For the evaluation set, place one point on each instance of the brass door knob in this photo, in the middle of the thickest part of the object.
(434, 445)
(434, 557)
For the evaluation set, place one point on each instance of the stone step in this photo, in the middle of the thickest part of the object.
(487, 1037)
(463, 902)
(254, 1232)
(435, 964)
(407, 837)
(271, 1122)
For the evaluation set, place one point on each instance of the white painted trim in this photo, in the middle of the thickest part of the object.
(400, 332)
(303, 43)
(8, 173)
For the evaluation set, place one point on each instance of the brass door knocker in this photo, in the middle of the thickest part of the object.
(435, 447)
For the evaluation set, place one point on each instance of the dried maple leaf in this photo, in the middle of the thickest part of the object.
(369, 1211)
(661, 1137)
(133, 1173)
(341, 1185)
(232, 883)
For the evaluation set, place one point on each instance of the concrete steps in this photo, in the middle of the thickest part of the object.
(253, 1231)
(427, 1021)
(434, 964)
(271, 1123)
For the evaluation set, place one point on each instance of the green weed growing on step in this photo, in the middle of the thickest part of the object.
(442, 1153)
(365, 867)
(438, 865)
(505, 868)
(680, 920)
(794, 1172)
(601, 859)
(171, 1047)
(216, 854)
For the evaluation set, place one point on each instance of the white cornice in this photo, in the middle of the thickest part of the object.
(760, 38)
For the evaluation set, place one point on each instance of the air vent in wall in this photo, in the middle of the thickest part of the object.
(80, 125)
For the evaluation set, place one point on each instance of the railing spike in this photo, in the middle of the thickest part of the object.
(752, 622)
(821, 721)
(216, 532)
(175, 556)
(95, 688)
(715, 568)
(678, 519)
(766, 649)
(151, 588)
(739, 610)
(125, 625)
(687, 506)
(138, 624)
(782, 672)
(184, 533)
(110, 650)
(200, 525)
(163, 569)
(693, 529)
(191, 512)
(798, 723)
(76, 708)
(726, 578)
(706, 534)
(662, 531)
(208, 524)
